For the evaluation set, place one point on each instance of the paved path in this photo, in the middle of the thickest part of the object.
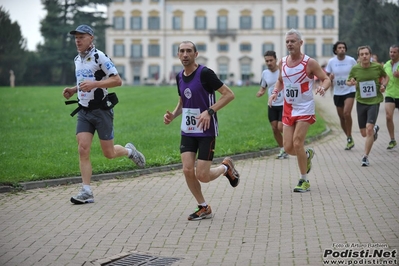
(261, 222)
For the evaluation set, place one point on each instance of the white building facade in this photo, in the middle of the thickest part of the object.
(231, 35)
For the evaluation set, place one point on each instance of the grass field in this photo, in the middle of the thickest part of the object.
(38, 135)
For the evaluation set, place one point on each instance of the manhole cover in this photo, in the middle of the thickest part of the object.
(141, 259)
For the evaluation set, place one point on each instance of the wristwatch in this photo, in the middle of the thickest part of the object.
(211, 112)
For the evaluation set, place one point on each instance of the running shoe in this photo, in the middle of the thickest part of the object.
(391, 145)
(376, 128)
(136, 156)
(201, 213)
(232, 175)
(310, 153)
(282, 154)
(83, 197)
(350, 144)
(303, 186)
(365, 161)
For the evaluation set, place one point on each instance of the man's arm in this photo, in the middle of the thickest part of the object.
(227, 96)
(169, 116)
(111, 82)
(384, 83)
(261, 92)
(316, 70)
(277, 87)
(204, 119)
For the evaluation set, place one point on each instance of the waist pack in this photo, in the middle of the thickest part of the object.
(107, 103)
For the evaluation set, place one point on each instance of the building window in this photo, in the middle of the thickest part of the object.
(245, 72)
(135, 1)
(154, 1)
(310, 49)
(245, 47)
(121, 71)
(328, 22)
(153, 50)
(201, 47)
(223, 70)
(267, 47)
(176, 21)
(175, 70)
(135, 23)
(268, 22)
(200, 23)
(310, 21)
(223, 47)
(175, 49)
(153, 23)
(292, 22)
(119, 23)
(222, 23)
(327, 49)
(136, 51)
(245, 22)
(153, 72)
(136, 75)
(119, 1)
(119, 50)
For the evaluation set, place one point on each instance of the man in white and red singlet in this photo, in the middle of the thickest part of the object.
(297, 72)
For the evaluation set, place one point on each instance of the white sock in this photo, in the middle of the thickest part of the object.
(87, 188)
(203, 204)
(304, 177)
(129, 152)
(225, 168)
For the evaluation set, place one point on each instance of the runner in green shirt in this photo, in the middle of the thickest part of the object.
(392, 94)
(370, 80)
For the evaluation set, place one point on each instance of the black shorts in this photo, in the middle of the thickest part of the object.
(205, 146)
(367, 114)
(96, 120)
(392, 100)
(339, 100)
(275, 113)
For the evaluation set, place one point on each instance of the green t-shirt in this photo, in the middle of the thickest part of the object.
(393, 84)
(368, 83)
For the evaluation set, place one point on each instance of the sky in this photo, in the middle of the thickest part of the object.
(28, 14)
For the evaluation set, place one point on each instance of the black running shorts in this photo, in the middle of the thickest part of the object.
(339, 100)
(275, 113)
(392, 100)
(205, 146)
(367, 114)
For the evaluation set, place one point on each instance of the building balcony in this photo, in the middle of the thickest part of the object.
(221, 33)
(136, 60)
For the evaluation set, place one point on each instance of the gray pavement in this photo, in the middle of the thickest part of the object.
(261, 222)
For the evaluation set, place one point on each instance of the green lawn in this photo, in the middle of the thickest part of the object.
(37, 139)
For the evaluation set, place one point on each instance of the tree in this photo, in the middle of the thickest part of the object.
(369, 22)
(58, 49)
(12, 49)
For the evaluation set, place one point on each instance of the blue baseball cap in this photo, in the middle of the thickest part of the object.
(83, 29)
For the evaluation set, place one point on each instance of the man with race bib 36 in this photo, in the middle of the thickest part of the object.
(197, 104)
(370, 80)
